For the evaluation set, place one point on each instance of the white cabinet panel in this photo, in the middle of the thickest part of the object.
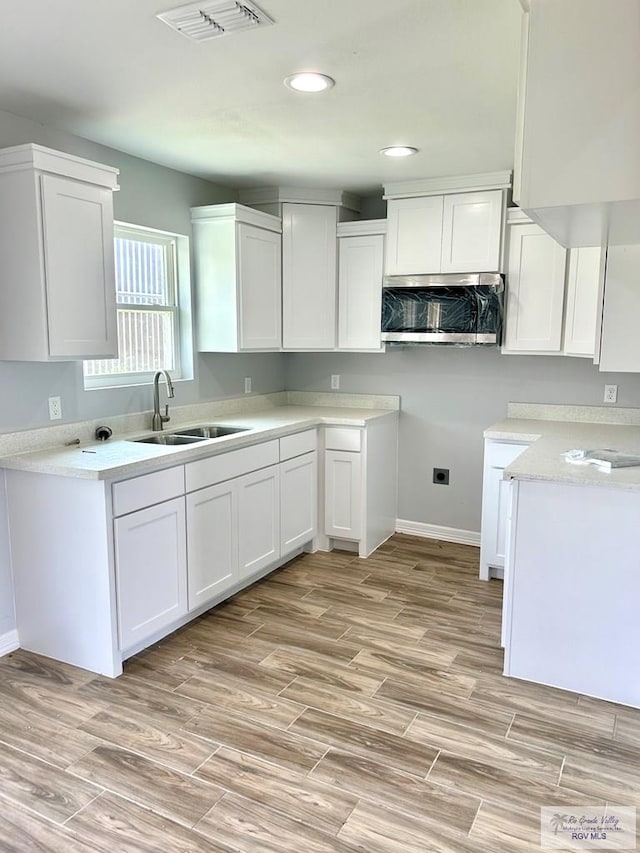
(151, 570)
(212, 542)
(414, 235)
(260, 278)
(238, 284)
(535, 291)
(495, 496)
(343, 494)
(360, 291)
(582, 302)
(620, 344)
(258, 520)
(309, 276)
(298, 502)
(471, 232)
(56, 242)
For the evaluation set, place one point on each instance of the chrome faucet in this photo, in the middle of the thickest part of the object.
(158, 419)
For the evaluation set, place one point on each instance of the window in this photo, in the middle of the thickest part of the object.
(152, 321)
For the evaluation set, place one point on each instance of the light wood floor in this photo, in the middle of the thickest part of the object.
(340, 705)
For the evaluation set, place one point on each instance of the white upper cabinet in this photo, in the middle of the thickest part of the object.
(360, 260)
(620, 342)
(414, 235)
(309, 276)
(472, 232)
(583, 304)
(576, 163)
(535, 291)
(238, 278)
(553, 295)
(446, 225)
(56, 245)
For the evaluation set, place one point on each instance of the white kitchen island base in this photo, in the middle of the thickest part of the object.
(573, 615)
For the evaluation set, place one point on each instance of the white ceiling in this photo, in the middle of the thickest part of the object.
(437, 74)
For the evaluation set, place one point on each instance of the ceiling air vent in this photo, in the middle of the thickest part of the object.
(207, 20)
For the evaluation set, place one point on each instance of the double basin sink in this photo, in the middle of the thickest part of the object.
(191, 435)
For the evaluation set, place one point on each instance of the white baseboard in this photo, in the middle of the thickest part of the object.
(435, 531)
(9, 642)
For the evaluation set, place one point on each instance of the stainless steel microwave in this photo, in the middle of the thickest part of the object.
(443, 309)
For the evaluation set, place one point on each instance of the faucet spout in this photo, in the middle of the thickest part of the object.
(158, 420)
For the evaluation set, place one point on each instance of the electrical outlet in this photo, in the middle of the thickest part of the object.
(247, 384)
(611, 393)
(441, 476)
(335, 381)
(55, 408)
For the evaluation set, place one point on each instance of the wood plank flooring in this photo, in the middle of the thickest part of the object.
(340, 705)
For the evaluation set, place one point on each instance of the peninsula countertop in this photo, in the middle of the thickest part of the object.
(550, 438)
(123, 456)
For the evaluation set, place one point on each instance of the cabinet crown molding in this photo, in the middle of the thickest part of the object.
(299, 195)
(517, 215)
(454, 184)
(31, 156)
(237, 213)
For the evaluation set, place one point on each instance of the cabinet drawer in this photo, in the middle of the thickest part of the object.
(501, 454)
(130, 495)
(207, 472)
(296, 445)
(342, 438)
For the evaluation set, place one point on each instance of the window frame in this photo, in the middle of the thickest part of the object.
(179, 283)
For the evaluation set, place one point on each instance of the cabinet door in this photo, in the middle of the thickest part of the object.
(151, 570)
(620, 343)
(258, 520)
(414, 235)
(79, 268)
(535, 291)
(309, 276)
(583, 302)
(472, 232)
(212, 542)
(360, 291)
(260, 279)
(298, 501)
(343, 494)
(495, 495)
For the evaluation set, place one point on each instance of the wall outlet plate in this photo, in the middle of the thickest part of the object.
(441, 476)
(247, 384)
(335, 381)
(611, 393)
(55, 408)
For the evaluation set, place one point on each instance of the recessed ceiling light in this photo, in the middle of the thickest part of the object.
(399, 151)
(309, 81)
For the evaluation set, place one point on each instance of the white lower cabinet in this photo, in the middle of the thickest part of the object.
(258, 521)
(343, 494)
(298, 502)
(212, 542)
(151, 570)
(495, 505)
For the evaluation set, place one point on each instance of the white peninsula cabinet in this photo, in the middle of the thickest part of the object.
(495, 505)
(238, 278)
(434, 229)
(554, 295)
(56, 247)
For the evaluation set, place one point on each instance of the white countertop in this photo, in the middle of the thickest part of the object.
(123, 457)
(551, 438)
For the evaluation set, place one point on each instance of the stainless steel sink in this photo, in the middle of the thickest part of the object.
(169, 439)
(209, 431)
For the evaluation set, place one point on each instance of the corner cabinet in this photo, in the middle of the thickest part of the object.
(554, 295)
(56, 246)
(238, 278)
(432, 230)
(360, 270)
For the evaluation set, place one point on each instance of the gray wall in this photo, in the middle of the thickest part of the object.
(449, 396)
(159, 198)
